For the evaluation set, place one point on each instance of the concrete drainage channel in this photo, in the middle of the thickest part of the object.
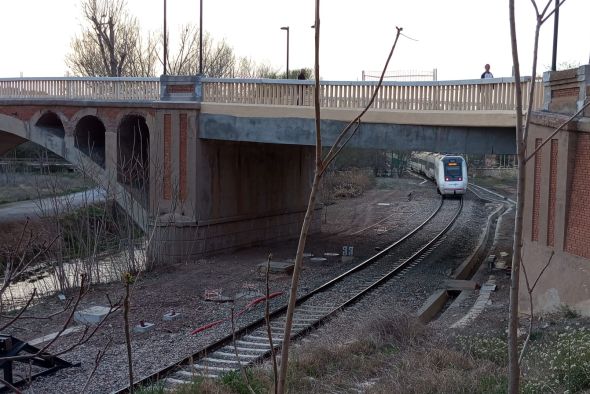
(442, 299)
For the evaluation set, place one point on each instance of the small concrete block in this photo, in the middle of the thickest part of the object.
(143, 328)
(248, 295)
(215, 295)
(346, 259)
(172, 316)
(503, 255)
(276, 267)
(492, 258)
(500, 264)
(92, 315)
(488, 287)
(456, 284)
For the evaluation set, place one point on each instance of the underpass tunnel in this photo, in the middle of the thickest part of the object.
(90, 139)
(133, 153)
(51, 122)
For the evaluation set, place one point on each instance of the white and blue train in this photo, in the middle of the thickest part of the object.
(449, 172)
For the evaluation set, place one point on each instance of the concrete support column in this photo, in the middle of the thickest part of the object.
(111, 154)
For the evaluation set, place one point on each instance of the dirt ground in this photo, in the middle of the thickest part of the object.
(181, 288)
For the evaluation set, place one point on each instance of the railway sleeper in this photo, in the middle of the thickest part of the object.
(316, 308)
(250, 349)
(263, 337)
(230, 353)
(191, 375)
(206, 368)
(265, 345)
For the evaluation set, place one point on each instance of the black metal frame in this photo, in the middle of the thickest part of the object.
(44, 360)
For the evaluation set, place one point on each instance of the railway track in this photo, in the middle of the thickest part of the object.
(252, 344)
(487, 194)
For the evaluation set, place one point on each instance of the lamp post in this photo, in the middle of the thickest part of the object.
(287, 29)
(555, 31)
(165, 40)
(201, 38)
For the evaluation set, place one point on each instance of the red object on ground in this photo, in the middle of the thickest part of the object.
(246, 308)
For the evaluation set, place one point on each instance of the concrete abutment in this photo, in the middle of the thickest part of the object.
(209, 196)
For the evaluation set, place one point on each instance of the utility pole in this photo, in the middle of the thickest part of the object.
(555, 30)
(165, 40)
(201, 38)
(287, 29)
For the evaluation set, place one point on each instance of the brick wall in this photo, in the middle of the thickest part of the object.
(167, 183)
(552, 193)
(577, 237)
(182, 157)
(536, 192)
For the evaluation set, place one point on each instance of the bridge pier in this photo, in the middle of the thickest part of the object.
(208, 196)
(235, 195)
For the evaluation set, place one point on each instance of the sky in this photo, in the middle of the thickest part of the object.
(457, 37)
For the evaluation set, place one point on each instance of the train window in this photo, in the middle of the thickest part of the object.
(453, 169)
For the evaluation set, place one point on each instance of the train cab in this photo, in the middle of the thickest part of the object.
(452, 175)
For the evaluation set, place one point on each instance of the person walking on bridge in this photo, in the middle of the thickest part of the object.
(487, 73)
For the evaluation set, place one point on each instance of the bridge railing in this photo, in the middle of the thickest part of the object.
(467, 95)
(81, 88)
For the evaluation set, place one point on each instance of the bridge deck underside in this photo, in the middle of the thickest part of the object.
(301, 131)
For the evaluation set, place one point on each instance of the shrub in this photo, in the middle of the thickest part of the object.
(486, 348)
(560, 363)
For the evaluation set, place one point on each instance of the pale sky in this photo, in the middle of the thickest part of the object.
(457, 37)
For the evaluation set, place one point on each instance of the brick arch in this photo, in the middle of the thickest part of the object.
(52, 121)
(90, 139)
(133, 151)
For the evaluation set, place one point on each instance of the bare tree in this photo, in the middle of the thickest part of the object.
(218, 58)
(322, 164)
(111, 43)
(522, 128)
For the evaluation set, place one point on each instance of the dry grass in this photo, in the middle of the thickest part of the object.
(346, 184)
(384, 351)
(19, 186)
(388, 352)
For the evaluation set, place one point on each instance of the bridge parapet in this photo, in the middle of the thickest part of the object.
(566, 91)
(81, 88)
(467, 95)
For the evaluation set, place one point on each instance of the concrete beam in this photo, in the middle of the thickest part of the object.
(301, 131)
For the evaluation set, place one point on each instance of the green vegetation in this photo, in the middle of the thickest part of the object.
(559, 363)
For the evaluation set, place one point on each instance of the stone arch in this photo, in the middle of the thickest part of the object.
(51, 122)
(133, 151)
(89, 138)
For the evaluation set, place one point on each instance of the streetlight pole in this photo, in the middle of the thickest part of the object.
(287, 29)
(555, 31)
(165, 40)
(201, 38)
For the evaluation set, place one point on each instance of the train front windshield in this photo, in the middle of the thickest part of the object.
(453, 169)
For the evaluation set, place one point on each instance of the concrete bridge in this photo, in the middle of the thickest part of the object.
(214, 164)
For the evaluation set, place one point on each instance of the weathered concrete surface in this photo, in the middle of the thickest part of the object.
(210, 196)
(452, 131)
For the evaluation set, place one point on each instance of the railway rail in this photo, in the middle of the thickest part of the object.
(251, 344)
(490, 195)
